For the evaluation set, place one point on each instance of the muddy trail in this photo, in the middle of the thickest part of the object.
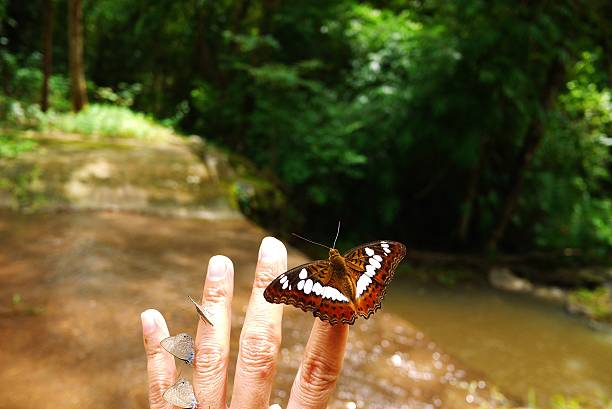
(74, 284)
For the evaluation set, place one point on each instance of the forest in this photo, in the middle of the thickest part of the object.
(468, 126)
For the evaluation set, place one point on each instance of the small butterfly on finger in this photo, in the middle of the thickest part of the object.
(181, 394)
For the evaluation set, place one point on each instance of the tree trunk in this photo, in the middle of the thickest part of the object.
(47, 53)
(75, 40)
(531, 143)
(240, 12)
(205, 48)
(472, 192)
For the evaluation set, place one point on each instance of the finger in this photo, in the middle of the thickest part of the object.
(212, 342)
(261, 334)
(321, 366)
(160, 364)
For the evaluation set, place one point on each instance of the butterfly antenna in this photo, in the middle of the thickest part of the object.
(337, 234)
(310, 241)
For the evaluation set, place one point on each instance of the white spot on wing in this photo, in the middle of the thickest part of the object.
(333, 294)
(317, 289)
(370, 270)
(303, 274)
(301, 285)
(386, 249)
(369, 251)
(377, 258)
(328, 292)
(308, 286)
(285, 284)
(363, 283)
(283, 279)
(374, 263)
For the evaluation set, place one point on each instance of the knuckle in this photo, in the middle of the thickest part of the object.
(153, 348)
(318, 375)
(156, 400)
(157, 386)
(210, 360)
(265, 274)
(258, 352)
(216, 293)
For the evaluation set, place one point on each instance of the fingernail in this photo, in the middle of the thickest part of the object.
(268, 249)
(217, 268)
(149, 325)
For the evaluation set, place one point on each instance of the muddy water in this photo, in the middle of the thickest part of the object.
(520, 342)
(72, 286)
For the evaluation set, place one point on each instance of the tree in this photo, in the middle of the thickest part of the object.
(47, 52)
(78, 90)
(531, 143)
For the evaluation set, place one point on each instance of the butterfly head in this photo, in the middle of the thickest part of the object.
(336, 260)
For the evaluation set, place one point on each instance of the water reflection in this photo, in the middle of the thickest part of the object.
(519, 342)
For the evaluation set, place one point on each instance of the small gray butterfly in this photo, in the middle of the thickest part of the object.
(181, 394)
(181, 346)
(200, 310)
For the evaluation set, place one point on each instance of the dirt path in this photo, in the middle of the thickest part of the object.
(73, 341)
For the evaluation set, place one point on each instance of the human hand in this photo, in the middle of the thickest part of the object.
(258, 348)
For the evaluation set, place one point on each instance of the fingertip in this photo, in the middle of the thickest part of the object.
(271, 249)
(149, 321)
(219, 267)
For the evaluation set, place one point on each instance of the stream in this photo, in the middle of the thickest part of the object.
(520, 342)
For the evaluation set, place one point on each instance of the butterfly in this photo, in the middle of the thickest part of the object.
(200, 310)
(181, 394)
(341, 288)
(181, 346)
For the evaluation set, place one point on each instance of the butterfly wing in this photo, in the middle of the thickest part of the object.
(181, 394)
(301, 286)
(308, 287)
(373, 265)
(200, 310)
(181, 346)
(335, 307)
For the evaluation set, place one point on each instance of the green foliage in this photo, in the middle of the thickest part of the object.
(572, 175)
(579, 402)
(25, 84)
(400, 118)
(11, 146)
(105, 121)
(24, 187)
(124, 95)
(595, 303)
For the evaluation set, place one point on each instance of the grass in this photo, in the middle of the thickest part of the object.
(105, 121)
(596, 303)
(11, 145)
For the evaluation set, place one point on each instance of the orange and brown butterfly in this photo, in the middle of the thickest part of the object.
(341, 288)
